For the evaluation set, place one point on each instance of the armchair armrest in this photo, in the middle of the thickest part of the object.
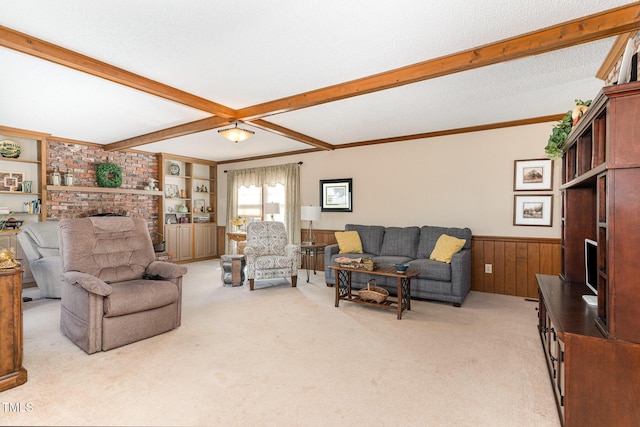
(292, 250)
(166, 270)
(88, 282)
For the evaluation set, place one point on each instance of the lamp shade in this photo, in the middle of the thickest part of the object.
(310, 213)
(272, 208)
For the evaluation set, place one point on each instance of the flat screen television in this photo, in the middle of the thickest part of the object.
(591, 270)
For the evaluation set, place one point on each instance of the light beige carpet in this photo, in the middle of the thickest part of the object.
(282, 356)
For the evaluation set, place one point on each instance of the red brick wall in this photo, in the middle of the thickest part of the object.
(81, 161)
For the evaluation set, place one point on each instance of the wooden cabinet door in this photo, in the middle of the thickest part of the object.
(204, 240)
(184, 243)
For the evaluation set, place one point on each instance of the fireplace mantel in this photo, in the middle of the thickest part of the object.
(103, 190)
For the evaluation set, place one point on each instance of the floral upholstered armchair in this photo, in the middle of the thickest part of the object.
(268, 254)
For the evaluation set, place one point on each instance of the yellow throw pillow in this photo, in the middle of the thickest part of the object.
(446, 247)
(349, 242)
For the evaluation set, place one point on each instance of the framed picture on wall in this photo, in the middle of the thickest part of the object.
(336, 195)
(533, 175)
(533, 210)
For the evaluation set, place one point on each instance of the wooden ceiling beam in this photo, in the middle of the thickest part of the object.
(172, 132)
(478, 128)
(282, 131)
(41, 49)
(590, 28)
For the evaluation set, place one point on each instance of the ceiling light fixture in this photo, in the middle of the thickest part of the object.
(235, 133)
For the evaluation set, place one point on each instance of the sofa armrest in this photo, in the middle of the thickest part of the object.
(166, 270)
(87, 282)
(461, 273)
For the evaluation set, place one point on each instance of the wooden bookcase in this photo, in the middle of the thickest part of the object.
(194, 206)
(593, 353)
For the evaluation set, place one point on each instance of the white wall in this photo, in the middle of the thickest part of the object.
(458, 180)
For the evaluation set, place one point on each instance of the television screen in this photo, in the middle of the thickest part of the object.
(591, 269)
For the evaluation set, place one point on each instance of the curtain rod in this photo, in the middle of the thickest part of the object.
(299, 164)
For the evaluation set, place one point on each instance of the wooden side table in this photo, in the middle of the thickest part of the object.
(12, 374)
(237, 236)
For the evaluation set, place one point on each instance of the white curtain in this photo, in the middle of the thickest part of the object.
(287, 175)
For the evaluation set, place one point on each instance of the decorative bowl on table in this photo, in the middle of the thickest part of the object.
(401, 268)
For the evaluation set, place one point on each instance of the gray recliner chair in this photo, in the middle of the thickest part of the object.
(114, 292)
(40, 244)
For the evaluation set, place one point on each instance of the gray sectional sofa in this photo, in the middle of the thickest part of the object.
(413, 245)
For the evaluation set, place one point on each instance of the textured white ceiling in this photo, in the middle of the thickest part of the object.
(250, 51)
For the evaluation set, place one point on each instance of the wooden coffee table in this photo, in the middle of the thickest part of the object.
(401, 303)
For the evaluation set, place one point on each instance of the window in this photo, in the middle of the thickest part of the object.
(251, 202)
(249, 189)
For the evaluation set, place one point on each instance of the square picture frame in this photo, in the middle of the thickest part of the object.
(171, 219)
(11, 181)
(533, 210)
(533, 175)
(336, 195)
(172, 191)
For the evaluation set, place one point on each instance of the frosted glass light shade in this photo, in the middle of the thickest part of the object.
(235, 133)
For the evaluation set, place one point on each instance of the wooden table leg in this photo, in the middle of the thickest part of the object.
(400, 298)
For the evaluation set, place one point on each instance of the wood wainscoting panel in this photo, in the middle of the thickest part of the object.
(515, 261)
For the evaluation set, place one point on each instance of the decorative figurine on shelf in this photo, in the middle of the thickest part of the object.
(183, 208)
(209, 210)
(153, 184)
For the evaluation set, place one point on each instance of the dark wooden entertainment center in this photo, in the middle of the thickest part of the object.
(593, 353)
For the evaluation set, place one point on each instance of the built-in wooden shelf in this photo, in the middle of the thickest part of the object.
(103, 190)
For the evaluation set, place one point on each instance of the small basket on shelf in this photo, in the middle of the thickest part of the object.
(373, 293)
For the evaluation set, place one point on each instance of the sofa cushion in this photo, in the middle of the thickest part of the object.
(139, 295)
(349, 242)
(370, 235)
(431, 269)
(400, 241)
(446, 247)
(429, 235)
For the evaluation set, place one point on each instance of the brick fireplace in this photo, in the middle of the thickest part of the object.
(81, 159)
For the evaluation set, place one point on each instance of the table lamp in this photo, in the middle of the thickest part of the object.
(310, 213)
(272, 209)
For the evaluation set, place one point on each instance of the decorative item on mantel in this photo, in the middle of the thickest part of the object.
(108, 175)
(56, 178)
(68, 179)
(563, 128)
(10, 149)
